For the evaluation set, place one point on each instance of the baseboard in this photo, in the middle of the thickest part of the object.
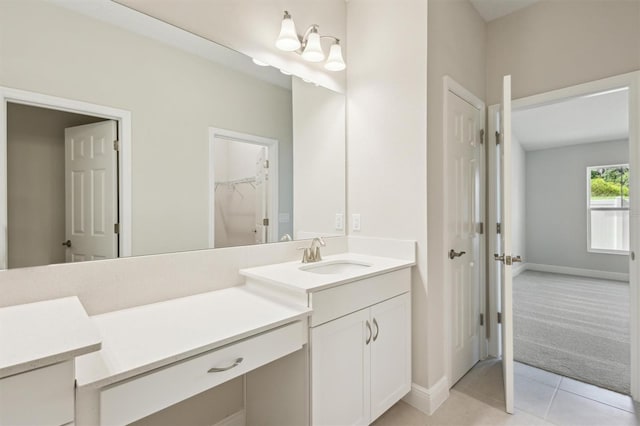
(236, 419)
(519, 268)
(428, 400)
(592, 273)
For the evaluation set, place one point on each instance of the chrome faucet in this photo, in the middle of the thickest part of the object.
(312, 254)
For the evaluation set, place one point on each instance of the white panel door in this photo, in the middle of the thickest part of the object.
(262, 197)
(463, 185)
(505, 240)
(390, 353)
(340, 371)
(91, 191)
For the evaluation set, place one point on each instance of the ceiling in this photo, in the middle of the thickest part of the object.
(586, 119)
(493, 9)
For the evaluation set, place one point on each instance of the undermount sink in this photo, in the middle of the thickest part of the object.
(335, 267)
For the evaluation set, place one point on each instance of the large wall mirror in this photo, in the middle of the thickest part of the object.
(213, 150)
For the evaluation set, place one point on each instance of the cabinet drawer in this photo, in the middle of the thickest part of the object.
(39, 397)
(137, 398)
(342, 300)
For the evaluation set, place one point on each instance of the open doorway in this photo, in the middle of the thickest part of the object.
(595, 210)
(93, 130)
(62, 186)
(570, 222)
(243, 185)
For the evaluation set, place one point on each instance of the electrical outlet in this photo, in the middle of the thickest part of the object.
(339, 221)
(355, 222)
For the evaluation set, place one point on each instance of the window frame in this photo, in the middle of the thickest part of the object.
(590, 209)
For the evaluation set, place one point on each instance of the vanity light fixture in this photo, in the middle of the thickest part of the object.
(259, 63)
(308, 46)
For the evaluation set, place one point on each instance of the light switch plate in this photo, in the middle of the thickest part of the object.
(355, 222)
(339, 221)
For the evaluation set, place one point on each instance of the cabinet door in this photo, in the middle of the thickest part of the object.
(390, 353)
(340, 359)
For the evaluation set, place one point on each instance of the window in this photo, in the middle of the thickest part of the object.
(608, 209)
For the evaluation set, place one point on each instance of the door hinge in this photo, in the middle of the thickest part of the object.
(498, 228)
(116, 145)
(481, 136)
(497, 138)
(265, 221)
(116, 228)
(481, 319)
(266, 164)
(481, 228)
(499, 317)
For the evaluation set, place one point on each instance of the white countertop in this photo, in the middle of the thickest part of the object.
(290, 275)
(38, 334)
(143, 338)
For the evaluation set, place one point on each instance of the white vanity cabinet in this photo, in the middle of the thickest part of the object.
(44, 396)
(361, 362)
(38, 346)
(359, 330)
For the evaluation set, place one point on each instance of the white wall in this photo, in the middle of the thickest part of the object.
(560, 43)
(518, 199)
(251, 27)
(319, 167)
(556, 188)
(174, 97)
(387, 136)
(456, 48)
(35, 184)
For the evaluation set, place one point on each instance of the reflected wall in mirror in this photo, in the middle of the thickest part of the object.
(178, 93)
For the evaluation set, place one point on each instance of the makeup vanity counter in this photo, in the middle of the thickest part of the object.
(38, 344)
(156, 355)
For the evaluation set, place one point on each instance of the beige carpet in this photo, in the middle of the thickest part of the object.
(574, 326)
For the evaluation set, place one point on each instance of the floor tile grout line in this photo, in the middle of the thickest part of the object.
(596, 400)
(553, 397)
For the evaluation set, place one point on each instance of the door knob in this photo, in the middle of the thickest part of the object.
(67, 243)
(453, 254)
(506, 259)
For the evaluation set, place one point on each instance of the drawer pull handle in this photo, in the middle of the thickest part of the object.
(220, 369)
(370, 333)
(375, 336)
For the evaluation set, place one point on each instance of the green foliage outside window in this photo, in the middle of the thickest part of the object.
(610, 182)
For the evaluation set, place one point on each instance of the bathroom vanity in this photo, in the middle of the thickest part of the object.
(156, 355)
(39, 343)
(359, 331)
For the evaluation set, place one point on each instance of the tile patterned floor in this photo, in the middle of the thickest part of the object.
(541, 398)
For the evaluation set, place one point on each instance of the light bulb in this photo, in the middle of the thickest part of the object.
(313, 50)
(335, 61)
(288, 39)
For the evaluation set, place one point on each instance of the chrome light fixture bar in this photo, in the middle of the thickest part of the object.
(308, 46)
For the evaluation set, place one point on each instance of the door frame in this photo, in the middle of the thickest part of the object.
(632, 81)
(272, 155)
(450, 85)
(24, 97)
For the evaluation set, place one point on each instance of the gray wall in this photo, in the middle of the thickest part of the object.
(557, 201)
(35, 183)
